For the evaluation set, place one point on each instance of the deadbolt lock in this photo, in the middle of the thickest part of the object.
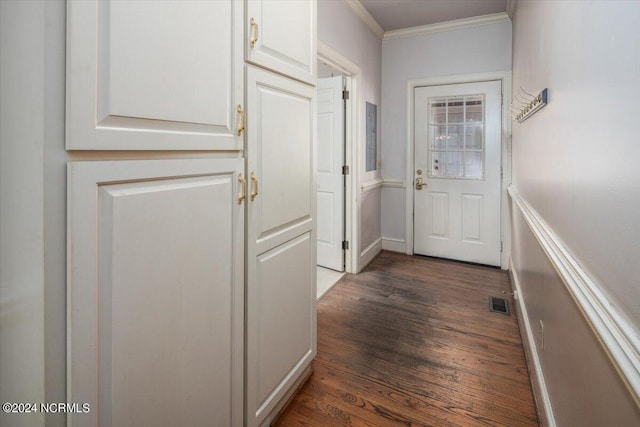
(419, 172)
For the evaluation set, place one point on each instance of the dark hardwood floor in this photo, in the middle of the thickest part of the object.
(410, 341)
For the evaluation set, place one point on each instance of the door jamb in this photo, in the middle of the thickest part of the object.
(352, 125)
(505, 220)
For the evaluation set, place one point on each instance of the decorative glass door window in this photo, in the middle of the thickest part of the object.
(456, 135)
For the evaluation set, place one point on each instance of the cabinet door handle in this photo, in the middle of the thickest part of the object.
(240, 125)
(254, 32)
(243, 189)
(254, 186)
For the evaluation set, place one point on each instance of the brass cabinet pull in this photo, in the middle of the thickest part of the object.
(254, 186)
(254, 32)
(240, 119)
(243, 189)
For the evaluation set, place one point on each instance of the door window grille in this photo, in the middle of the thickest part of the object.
(456, 137)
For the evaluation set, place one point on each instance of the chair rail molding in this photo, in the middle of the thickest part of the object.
(393, 182)
(617, 336)
(372, 185)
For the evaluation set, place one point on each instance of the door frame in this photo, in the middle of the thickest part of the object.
(351, 209)
(505, 221)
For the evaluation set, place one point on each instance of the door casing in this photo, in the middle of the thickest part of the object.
(505, 221)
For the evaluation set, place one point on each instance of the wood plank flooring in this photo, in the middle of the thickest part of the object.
(410, 341)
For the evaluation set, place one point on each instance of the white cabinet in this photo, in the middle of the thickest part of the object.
(156, 292)
(158, 281)
(154, 75)
(281, 249)
(282, 37)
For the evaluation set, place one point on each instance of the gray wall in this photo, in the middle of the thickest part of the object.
(32, 208)
(341, 29)
(466, 51)
(576, 164)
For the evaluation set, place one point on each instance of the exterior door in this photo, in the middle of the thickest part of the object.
(281, 241)
(330, 178)
(457, 171)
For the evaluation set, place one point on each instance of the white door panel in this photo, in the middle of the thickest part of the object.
(330, 178)
(155, 292)
(281, 36)
(457, 154)
(283, 161)
(279, 154)
(132, 85)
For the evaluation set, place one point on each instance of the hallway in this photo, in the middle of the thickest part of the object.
(410, 341)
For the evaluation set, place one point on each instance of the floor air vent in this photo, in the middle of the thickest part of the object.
(499, 305)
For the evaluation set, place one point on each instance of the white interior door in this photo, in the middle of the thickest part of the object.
(457, 157)
(330, 177)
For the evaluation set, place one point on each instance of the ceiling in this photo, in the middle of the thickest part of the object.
(396, 14)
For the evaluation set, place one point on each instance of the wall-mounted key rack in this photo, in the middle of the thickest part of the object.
(529, 105)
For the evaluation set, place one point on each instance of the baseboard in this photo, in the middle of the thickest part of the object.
(394, 245)
(613, 331)
(540, 392)
(370, 253)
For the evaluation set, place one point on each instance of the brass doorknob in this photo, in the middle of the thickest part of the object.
(420, 183)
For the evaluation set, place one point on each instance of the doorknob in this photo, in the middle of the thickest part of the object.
(420, 183)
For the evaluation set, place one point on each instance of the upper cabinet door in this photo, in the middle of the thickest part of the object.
(154, 75)
(281, 36)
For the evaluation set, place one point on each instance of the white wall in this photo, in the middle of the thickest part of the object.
(576, 164)
(342, 30)
(465, 51)
(32, 208)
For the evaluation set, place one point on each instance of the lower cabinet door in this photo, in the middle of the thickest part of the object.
(156, 293)
(281, 240)
(281, 331)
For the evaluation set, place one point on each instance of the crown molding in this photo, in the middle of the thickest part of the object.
(457, 24)
(366, 17)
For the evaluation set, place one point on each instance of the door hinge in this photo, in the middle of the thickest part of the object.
(345, 245)
(345, 94)
(501, 172)
(501, 246)
(345, 170)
